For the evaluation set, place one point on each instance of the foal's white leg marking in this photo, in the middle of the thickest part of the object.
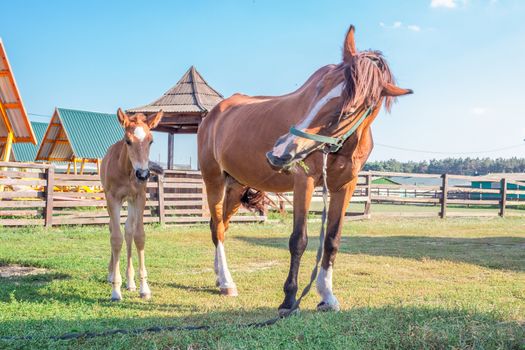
(225, 278)
(216, 269)
(324, 287)
(334, 93)
(116, 246)
(139, 133)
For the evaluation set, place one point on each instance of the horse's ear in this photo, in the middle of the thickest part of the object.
(394, 91)
(154, 120)
(122, 118)
(349, 49)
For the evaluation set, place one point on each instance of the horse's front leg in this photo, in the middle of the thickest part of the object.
(303, 189)
(114, 206)
(129, 232)
(338, 203)
(140, 241)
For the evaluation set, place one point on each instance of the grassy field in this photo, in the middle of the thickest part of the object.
(402, 283)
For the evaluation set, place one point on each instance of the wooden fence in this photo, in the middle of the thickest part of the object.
(34, 194)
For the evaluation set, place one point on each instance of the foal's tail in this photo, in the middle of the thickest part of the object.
(254, 200)
(155, 168)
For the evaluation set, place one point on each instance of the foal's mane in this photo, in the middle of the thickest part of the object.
(365, 77)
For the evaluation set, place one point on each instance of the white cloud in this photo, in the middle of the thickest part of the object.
(478, 110)
(443, 3)
(400, 25)
(450, 4)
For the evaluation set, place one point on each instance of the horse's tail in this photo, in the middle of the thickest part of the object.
(155, 168)
(254, 200)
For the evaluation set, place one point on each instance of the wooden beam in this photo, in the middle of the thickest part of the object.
(12, 105)
(7, 147)
(170, 151)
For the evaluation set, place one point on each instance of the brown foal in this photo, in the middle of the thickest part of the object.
(124, 174)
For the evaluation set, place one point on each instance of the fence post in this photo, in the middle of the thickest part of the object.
(444, 192)
(503, 200)
(160, 198)
(48, 210)
(368, 202)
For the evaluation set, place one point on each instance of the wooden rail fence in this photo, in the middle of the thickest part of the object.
(35, 194)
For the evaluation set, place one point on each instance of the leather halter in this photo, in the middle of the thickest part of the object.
(334, 143)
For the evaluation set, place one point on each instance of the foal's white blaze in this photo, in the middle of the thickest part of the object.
(139, 133)
(225, 278)
(336, 92)
(324, 286)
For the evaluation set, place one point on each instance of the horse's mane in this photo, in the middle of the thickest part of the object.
(365, 78)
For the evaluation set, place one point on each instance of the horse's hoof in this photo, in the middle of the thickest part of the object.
(217, 283)
(324, 306)
(116, 298)
(284, 312)
(229, 292)
(145, 296)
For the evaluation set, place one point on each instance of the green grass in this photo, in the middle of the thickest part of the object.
(402, 283)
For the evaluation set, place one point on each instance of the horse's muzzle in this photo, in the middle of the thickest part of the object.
(142, 174)
(279, 162)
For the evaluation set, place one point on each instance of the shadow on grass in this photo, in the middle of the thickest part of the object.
(505, 253)
(37, 289)
(384, 327)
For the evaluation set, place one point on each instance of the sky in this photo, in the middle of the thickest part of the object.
(463, 59)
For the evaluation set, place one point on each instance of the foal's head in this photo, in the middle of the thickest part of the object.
(138, 139)
(361, 82)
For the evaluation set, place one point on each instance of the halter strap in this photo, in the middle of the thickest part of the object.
(335, 143)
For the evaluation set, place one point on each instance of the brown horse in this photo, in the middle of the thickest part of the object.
(124, 174)
(234, 140)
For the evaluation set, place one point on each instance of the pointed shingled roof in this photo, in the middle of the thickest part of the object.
(191, 94)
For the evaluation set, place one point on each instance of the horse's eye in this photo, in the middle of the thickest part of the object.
(128, 142)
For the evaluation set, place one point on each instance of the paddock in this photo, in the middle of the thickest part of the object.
(402, 283)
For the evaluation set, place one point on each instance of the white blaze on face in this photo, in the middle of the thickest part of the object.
(336, 92)
(139, 133)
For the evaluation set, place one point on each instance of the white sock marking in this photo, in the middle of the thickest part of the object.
(324, 286)
(225, 278)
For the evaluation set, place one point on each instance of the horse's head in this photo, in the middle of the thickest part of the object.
(360, 84)
(138, 139)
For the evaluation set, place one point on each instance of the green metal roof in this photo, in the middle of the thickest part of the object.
(90, 133)
(384, 181)
(26, 152)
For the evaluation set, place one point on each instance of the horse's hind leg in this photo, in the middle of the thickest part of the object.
(215, 191)
(338, 203)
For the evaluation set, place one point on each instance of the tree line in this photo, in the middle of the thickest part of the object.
(458, 166)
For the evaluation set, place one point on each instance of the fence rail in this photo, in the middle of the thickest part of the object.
(33, 194)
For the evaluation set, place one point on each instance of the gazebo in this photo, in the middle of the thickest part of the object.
(184, 106)
(14, 123)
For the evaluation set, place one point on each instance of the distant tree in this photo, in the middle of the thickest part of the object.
(458, 166)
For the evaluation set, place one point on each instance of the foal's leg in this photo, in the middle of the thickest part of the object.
(129, 230)
(140, 242)
(303, 189)
(215, 191)
(114, 207)
(338, 203)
